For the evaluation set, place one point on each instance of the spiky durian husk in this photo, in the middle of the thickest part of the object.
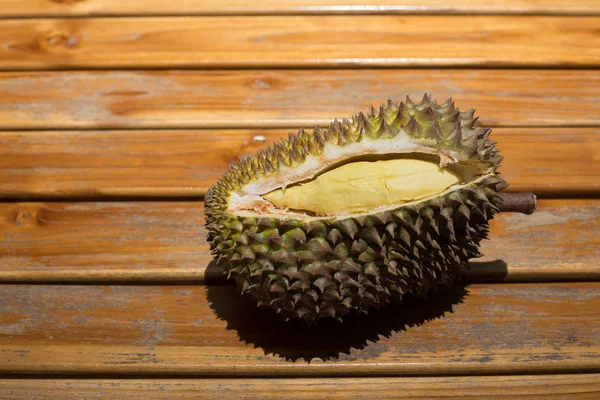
(326, 267)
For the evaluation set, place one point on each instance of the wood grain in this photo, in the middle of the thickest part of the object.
(208, 330)
(101, 164)
(36, 8)
(183, 93)
(99, 241)
(166, 241)
(286, 98)
(579, 386)
(300, 41)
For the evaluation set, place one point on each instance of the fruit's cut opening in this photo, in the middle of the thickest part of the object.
(362, 184)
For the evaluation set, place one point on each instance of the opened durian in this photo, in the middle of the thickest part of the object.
(357, 215)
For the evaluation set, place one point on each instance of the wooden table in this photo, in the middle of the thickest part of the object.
(117, 115)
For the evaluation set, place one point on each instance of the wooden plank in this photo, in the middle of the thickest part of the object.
(579, 386)
(166, 241)
(98, 164)
(98, 241)
(551, 161)
(37, 8)
(300, 41)
(208, 330)
(286, 98)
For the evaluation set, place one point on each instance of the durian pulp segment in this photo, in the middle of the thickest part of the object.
(363, 185)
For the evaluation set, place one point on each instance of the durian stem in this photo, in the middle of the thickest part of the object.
(523, 202)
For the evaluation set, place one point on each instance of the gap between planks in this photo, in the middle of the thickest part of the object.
(58, 8)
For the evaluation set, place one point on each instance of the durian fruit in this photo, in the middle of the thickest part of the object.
(386, 204)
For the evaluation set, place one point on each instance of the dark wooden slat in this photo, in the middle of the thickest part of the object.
(166, 241)
(100, 164)
(36, 8)
(286, 98)
(300, 41)
(208, 330)
(576, 387)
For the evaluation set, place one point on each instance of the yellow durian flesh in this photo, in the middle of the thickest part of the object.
(361, 186)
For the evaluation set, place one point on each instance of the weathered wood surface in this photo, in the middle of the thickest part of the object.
(166, 241)
(286, 98)
(189, 88)
(300, 41)
(553, 387)
(101, 164)
(98, 241)
(36, 8)
(208, 330)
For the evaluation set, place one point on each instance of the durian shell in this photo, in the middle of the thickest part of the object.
(317, 268)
